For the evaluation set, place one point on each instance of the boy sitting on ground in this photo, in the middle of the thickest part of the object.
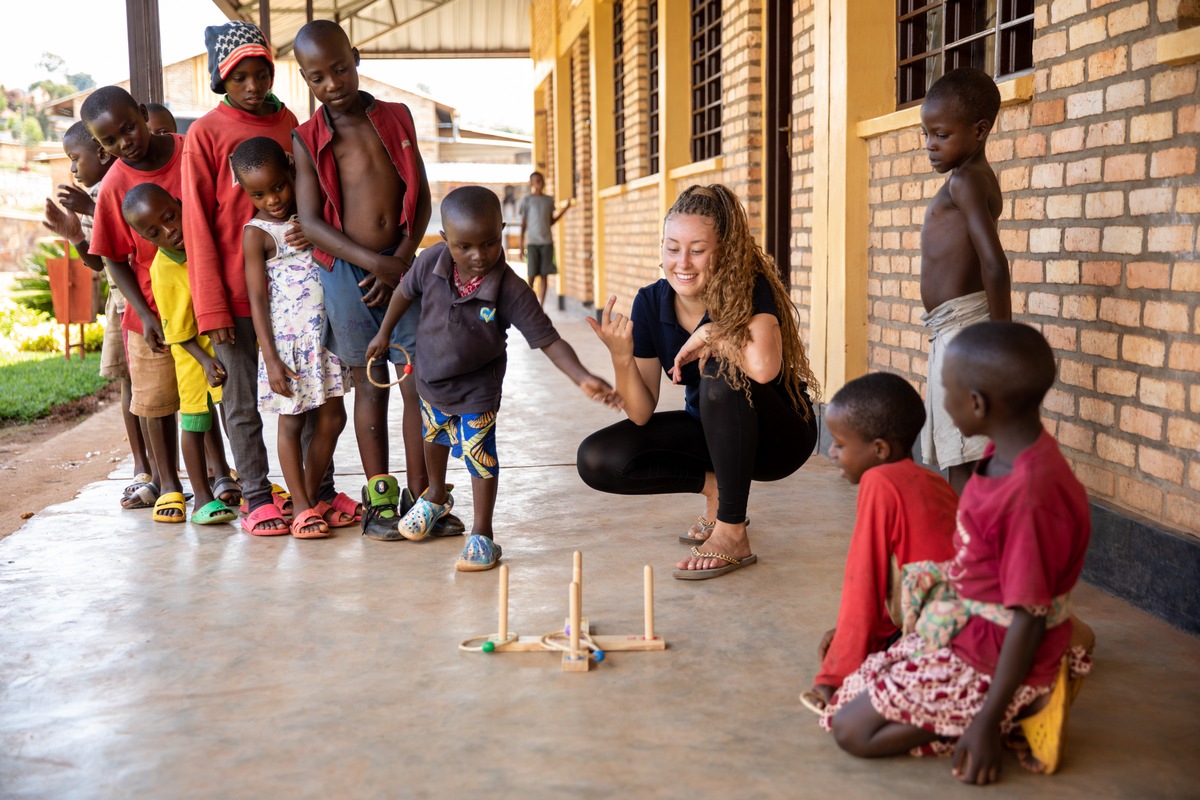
(905, 514)
(469, 298)
(964, 272)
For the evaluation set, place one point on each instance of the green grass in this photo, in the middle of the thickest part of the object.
(33, 383)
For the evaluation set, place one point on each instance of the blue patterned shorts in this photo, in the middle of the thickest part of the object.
(471, 437)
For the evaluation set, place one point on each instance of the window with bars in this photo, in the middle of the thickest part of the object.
(619, 89)
(938, 36)
(654, 94)
(706, 79)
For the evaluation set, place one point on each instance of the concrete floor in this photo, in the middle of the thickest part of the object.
(145, 660)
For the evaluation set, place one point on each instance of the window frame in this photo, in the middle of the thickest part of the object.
(705, 58)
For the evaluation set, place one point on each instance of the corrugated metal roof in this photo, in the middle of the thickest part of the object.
(404, 28)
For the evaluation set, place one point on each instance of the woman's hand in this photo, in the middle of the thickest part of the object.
(615, 331)
(695, 348)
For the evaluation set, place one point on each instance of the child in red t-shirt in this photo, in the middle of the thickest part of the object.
(992, 640)
(905, 514)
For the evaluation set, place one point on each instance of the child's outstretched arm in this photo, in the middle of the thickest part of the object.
(977, 755)
(378, 347)
(970, 195)
(214, 370)
(564, 357)
(66, 224)
(557, 215)
(255, 242)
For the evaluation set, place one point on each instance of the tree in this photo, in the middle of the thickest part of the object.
(51, 63)
(53, 88)
(81, 80)
(32, 132)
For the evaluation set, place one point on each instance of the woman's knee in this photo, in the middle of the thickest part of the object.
(591, 462)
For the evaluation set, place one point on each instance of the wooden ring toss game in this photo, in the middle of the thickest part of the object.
(408, 368)
(579, 646)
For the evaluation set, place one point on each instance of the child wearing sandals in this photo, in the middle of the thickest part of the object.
(905, 514)
(988, 644)
(158, 218)
(297, 376)
(469, 298)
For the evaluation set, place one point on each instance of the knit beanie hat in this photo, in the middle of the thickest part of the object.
(228, 44)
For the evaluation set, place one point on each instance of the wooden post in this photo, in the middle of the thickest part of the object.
(648, 592)
(308, 17)
(145, 51)
(264, 19)
(577, 571)
(502, 633)
(574, 619)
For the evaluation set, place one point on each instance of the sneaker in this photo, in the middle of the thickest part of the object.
(479, 554)
(418, 523)
(381, 500)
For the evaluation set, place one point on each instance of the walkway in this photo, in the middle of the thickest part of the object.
(144, 660)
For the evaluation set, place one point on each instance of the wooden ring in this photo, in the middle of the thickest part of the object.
(406, 372)
(469, 644)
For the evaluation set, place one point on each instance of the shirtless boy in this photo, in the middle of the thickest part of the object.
(365, 240)
(964, 271)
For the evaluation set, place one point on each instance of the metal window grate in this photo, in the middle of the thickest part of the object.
(619, 90)
(706, 79)
(654, 95)
(938, 36)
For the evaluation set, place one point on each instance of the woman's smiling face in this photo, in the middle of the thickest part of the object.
(688, 247)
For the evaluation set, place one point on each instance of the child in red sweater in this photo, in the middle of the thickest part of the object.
(215, 210)
(905, 514)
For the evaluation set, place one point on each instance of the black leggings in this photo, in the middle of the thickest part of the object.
(739, 441)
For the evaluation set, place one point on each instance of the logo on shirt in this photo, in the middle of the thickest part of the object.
(487, 314)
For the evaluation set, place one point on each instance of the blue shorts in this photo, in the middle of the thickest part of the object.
(471, 437)
(350, 324)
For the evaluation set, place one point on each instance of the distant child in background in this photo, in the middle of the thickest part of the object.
(161, 119)
(365, 239)
(119, 124)
(991, 642)
(89, 164)
(512, 217)
(469, 299)
(905, 514)
(242, 73)
(297, 377)
(536, 242)
(964, 271)
(158, 218)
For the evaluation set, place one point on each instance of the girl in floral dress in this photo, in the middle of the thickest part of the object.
(297, 376)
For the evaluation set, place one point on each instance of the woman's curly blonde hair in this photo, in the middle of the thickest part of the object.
(729, 293)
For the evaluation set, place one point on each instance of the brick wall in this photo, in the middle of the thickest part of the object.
(637, 89)
(803, 98)
(1101, 202)
(632, 231)
(576, 253)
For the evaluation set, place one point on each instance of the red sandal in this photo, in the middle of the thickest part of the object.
(331, 513)
(264, 513)
(308, 518)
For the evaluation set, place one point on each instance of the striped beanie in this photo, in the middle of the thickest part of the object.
(228, 44)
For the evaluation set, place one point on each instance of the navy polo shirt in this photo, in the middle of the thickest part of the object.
(658, 334)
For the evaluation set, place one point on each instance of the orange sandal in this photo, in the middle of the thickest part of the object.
(309, 518)
(330, 513)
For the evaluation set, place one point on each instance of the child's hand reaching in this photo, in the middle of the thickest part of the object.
(379, 346)
(62, 223)
(76, 200)
(214, 371)
(599, 390)
(278, 375)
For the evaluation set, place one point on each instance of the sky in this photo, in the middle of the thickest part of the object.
(504, 98)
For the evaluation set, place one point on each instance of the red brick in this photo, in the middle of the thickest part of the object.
(1131, 94)
(1184, 511)
(1066, 74)
(1194, 477)
(1075, 437)
(1160, 465)
(1185, 355)
(1045, 240)
(1152, 127)
(1095, 410)
(1107, 63)
(1184, 434)
(1025, 271)
(1078, 306)
(1161, 394)
(1120, 311)
(1187, 200)
(1059, 402)
(1172, 162)
(1049, 112)
(1147, 275)
(1082, 240)
(1085, 104)
(1130, 18)
(1128, 167)
(1075, 373)
(1103, 205)
(1050, 176)
(1085, 33)
(1101, 273)
(1119, 382)
(1065, 9)
(1029, 208)
(1140, 496)
(1186, 277)
(1060, 337)
(1118, 451)
(1143, 53)
(1162, 316)
(1048, 46)
(1062, 271)
(1170, 239)
(1123, 239)
(1106, 134)
(1173, 83)
(1189, 119)
(1043, 303)
(1143, 350)
(1085, 171)
(1098, 343)
(1096, 479)
(1141, 422)
(1150, 201)
(1031, 145)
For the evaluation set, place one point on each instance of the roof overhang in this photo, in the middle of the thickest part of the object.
(403, 28)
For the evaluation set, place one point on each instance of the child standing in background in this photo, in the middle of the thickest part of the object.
(297, 377)
(158, 218)
(536, 242)
(964, 271)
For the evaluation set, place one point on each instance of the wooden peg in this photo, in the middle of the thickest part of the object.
(502, 631)
(648, 591)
